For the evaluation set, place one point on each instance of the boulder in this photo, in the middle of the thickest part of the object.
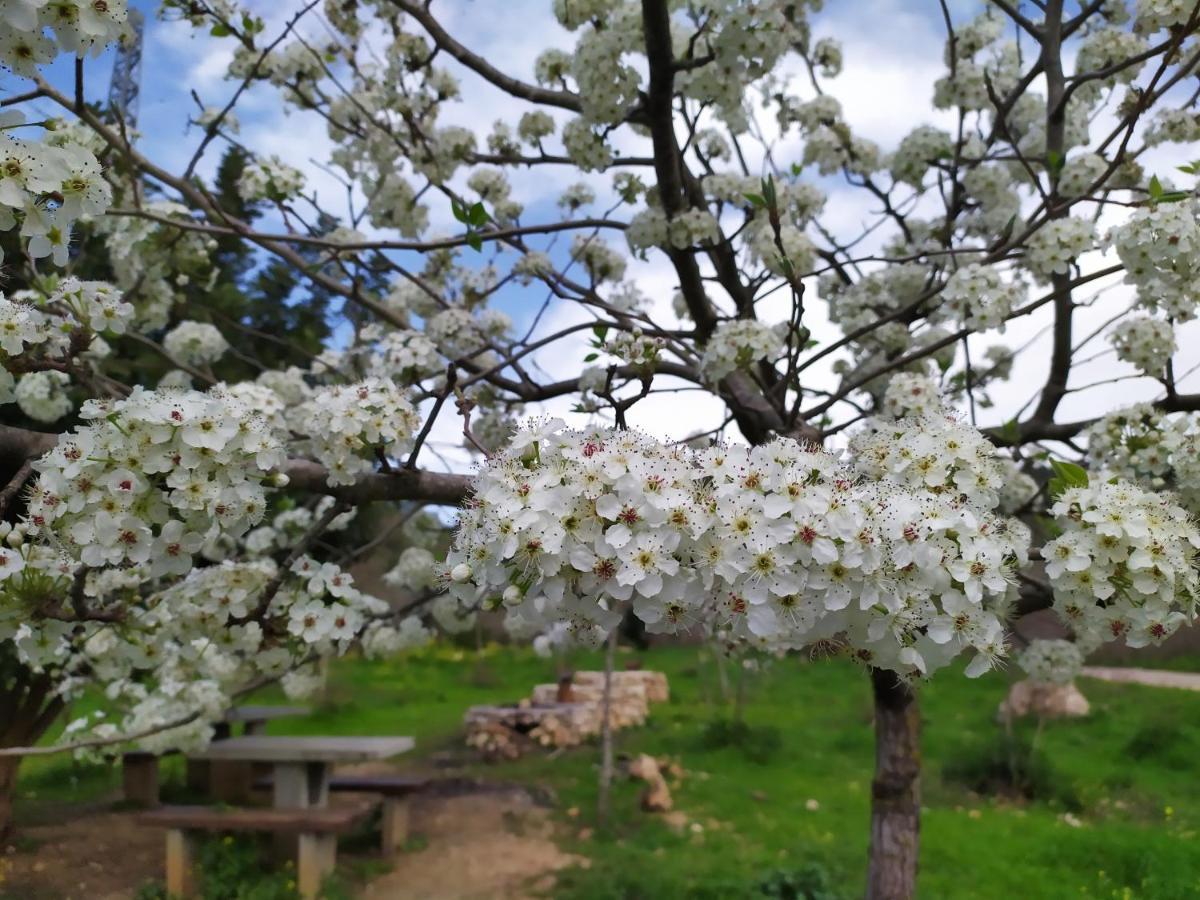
(1043, 699)
(657, 796)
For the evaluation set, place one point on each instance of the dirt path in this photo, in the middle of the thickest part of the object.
(1188, 681)
(494, 844)
(89, 856)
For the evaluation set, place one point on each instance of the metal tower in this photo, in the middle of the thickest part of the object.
(126, 81)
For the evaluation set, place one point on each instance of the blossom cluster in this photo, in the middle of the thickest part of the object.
(779, 545)
(415, 570)
(738, 344)
(1051, 661)
(195, 343)
(910, 393)
(402, 354)
(349, 426)
(154, 476)
(31, 171)
(43, 395)
(1149, 447)
(90, 306)
(979, 298)
(156, 262)
(270, 179)
(934, 453)
(1053, 247)
(80, 27)
(1124, 566)
(1145, 342)
(920, 149)
(180, 653)
(631, 347)
(1160, 248)
(1080, 172)
(286, 530)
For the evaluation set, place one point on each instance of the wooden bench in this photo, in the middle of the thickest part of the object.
(316, 830)
(395, 790)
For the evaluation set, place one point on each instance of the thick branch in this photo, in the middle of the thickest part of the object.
(17, 445)
(402, 484)
(481, 67)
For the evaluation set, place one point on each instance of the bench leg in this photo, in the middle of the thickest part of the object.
(230, 781)
(198, 777)
(298, 786)
(315, 861)
(139, 777)
(395, 824)
(181, 876)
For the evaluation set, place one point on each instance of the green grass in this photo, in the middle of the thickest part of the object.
(1124, 775)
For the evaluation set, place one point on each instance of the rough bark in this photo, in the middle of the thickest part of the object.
(604, 794)
(26, 713)
(896, 790)
(8, 786)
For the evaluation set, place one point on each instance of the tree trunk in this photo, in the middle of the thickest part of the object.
(603, 796)
(896, 790)
(27, 710)
(8, 787)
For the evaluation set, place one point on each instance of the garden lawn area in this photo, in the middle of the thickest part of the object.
(1105, 807)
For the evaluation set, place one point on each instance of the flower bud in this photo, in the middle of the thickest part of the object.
(460, 573)
(512, 595)
(278, 479)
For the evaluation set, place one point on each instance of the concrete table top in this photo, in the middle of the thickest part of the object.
(282, 749)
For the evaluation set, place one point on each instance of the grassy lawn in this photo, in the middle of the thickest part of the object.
(1109, 805)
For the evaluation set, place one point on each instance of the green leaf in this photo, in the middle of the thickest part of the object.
(1174, 197)
(459, 212)
(478, 216)
(1011, 431)
(756, 200)
(1054, 160)
(474, 241)
(1073, 475)
(591, 356)
(1156, 188)
(601, 332)
(1066, 475)
(768, 189)
(220, 30)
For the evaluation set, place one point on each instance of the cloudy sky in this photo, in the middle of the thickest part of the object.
(893, 56)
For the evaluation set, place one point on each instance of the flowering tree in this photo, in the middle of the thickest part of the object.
(824, 491)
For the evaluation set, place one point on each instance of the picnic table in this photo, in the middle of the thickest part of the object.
(303, 823)
(231, 782)
(301, 765)
(139, 768)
